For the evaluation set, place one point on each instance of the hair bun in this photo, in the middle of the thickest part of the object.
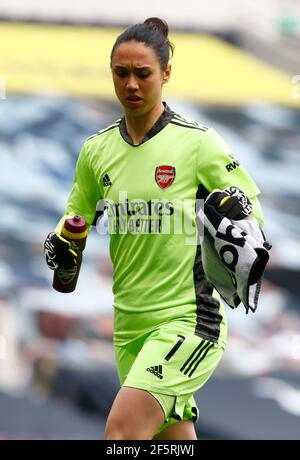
(159, 24)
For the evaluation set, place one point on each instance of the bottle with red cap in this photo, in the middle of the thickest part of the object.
(75, 231)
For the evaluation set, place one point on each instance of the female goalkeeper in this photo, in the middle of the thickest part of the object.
(149, 168)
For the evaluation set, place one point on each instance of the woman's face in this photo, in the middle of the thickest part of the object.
(138, 77)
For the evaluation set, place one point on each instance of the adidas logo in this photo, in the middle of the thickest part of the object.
(106, 180)
(156, 370)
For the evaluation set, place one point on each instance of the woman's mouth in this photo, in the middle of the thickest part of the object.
(134, 100)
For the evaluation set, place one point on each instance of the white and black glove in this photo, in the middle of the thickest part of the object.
(234, 250)
(59, 253)
(231, 203)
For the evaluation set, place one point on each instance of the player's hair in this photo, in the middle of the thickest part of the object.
(153, 33)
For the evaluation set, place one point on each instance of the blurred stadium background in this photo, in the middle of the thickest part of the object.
(236, 67)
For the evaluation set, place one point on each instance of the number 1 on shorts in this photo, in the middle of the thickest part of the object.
(175, 348)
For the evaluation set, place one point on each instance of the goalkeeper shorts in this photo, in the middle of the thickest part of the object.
(171, 363)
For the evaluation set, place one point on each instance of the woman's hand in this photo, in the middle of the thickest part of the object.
(58, 252)
(231, 203)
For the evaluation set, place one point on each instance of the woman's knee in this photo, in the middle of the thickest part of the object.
(117, 429)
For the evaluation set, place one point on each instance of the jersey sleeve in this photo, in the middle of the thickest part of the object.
(85, 192)
(217, 168)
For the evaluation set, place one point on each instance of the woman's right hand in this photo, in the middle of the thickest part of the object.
(58, 252)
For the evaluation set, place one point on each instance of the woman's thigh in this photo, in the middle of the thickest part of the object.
(171, 364)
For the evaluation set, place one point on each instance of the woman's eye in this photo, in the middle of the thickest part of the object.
(121, 73)
(143, 75)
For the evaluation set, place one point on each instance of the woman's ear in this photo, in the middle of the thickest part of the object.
(167, 74)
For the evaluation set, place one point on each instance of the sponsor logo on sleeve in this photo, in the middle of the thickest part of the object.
(232, 165)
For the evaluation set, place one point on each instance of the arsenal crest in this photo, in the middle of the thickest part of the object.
(164, 176)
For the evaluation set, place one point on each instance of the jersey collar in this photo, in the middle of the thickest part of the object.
(163, 120)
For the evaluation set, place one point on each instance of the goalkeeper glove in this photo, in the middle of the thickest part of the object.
(231, 203)
(59, 253)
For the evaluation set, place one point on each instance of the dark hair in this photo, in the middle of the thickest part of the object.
(153, 33)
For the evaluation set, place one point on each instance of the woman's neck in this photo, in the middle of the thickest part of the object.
(138, 126)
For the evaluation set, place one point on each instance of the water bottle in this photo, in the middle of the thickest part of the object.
(75, 231)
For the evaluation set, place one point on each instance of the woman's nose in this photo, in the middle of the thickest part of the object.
(132, 82)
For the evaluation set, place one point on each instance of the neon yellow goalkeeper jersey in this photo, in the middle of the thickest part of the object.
(149, 192)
